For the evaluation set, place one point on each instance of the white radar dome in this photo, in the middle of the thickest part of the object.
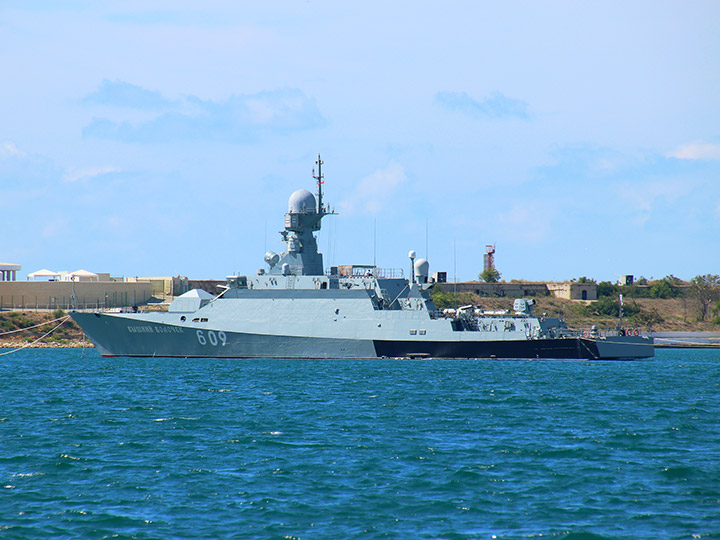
(422, 267)
(302, 202)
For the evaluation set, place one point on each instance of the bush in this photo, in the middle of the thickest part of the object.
(648, 318)
(663, 289)
(448, 299)
(610, 307)
(605, 288)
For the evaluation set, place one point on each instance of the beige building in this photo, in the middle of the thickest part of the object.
(571, 290)
(28, 295)
(164, 286)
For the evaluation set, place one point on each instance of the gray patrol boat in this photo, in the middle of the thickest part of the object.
(294, 309)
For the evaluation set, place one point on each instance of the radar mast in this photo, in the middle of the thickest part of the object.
(320, 181)
(305, 212)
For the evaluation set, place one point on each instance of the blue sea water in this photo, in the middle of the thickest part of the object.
(337, 449)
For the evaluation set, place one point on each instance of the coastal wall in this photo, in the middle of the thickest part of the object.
(28, 295)
(567, 290)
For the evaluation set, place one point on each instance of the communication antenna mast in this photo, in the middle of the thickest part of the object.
(320, 181)
(375, 242)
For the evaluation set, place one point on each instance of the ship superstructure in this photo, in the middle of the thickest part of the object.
(294, 309)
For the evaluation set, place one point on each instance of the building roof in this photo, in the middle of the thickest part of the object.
(82, 273)
(43, 273)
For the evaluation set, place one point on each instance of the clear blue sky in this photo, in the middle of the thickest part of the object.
(582, 138)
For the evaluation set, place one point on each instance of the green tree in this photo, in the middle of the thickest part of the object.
(716, 312)
(706, 290)
(663, 289)
(605, 288)
(491, 275)
(672, 280)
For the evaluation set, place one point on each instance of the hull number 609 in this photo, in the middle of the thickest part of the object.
(213, 338)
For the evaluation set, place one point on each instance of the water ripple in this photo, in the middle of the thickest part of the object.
(167, 448)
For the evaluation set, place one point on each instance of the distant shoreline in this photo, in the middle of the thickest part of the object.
(687, 340)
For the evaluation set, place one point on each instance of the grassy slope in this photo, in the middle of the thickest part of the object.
(670, 315)
(67, 335)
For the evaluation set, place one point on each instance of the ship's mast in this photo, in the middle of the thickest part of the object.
(320, 182)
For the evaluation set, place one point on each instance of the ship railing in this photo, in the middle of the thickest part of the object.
(368, 271)
(390, 273)
(636, 331)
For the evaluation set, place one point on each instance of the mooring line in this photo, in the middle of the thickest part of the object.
(65, 318)
(63, 321)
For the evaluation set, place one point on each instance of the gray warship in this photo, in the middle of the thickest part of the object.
(293, 308)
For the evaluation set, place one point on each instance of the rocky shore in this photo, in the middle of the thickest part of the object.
(40, 329)
(7, 344)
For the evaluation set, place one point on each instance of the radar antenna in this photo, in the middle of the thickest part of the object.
(320, 181)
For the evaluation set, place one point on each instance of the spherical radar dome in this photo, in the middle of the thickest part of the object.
(422, 267)
(302, 202)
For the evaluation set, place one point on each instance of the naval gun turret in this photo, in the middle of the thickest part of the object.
(305, 212)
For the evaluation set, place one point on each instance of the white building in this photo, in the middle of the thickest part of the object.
(8, 271)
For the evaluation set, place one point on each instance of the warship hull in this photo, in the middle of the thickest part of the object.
(134, 335)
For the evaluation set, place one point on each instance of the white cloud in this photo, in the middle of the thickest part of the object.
(85, 174)
(9, 149)
(240, 117)
(495, 106)
(372, 192)
(705, 151)
(641, 197)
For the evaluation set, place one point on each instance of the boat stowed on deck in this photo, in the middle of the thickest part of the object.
(295, 309)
